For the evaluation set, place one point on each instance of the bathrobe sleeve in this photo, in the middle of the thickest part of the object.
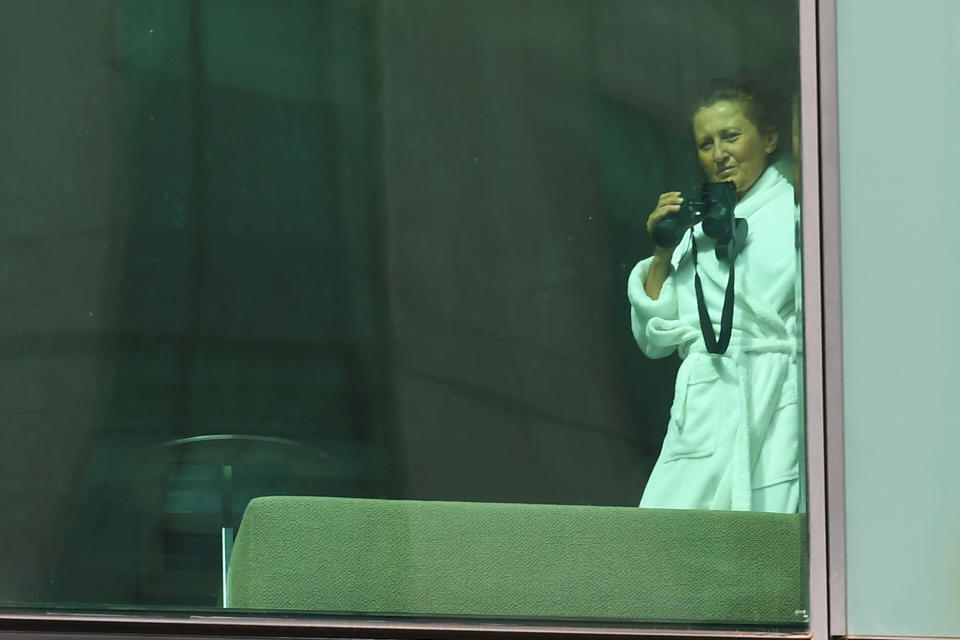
(655, 323)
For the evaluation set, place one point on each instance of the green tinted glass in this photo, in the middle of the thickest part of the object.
(378, 275)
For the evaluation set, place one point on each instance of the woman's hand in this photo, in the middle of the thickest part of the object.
(669, 203)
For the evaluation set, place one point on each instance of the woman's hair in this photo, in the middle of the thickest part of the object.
(757, 106)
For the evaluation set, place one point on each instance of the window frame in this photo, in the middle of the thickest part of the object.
(826, 526)
(821, 319)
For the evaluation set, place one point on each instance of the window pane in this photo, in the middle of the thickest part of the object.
(370, 258)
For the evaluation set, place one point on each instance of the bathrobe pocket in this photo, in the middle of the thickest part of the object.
(778, 458)
(697, 408)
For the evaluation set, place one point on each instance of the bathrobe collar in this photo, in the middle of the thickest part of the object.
(761, 193)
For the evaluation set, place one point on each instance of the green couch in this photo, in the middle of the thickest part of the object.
(531, 561)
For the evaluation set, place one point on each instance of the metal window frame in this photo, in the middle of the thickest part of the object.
(822, 282)
(822, 334)
(824, 436)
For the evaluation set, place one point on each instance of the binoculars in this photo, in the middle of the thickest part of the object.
(715, 203)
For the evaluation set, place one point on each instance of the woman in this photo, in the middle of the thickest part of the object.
(733, 437)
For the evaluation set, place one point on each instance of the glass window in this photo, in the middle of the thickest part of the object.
(431, 295)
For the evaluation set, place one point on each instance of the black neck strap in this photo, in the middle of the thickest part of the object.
(726, 317)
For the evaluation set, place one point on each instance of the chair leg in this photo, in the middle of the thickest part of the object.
(226, 547)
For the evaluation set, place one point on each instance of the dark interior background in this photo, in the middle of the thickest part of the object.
(393, 236)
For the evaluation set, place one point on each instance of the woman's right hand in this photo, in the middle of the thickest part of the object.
(669, 203)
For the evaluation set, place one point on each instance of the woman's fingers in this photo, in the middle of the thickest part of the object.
(660, 213)
(668, 203)
(663, 211)
(671, 196)
(669, 199)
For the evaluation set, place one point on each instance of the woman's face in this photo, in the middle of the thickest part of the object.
(730, 146)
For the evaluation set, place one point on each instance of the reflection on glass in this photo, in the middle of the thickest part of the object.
(720, 291)
(376, 249)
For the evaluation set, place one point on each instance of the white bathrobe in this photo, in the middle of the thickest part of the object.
(733, 437)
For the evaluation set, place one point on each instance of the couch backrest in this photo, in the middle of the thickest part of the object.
(531, 561)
